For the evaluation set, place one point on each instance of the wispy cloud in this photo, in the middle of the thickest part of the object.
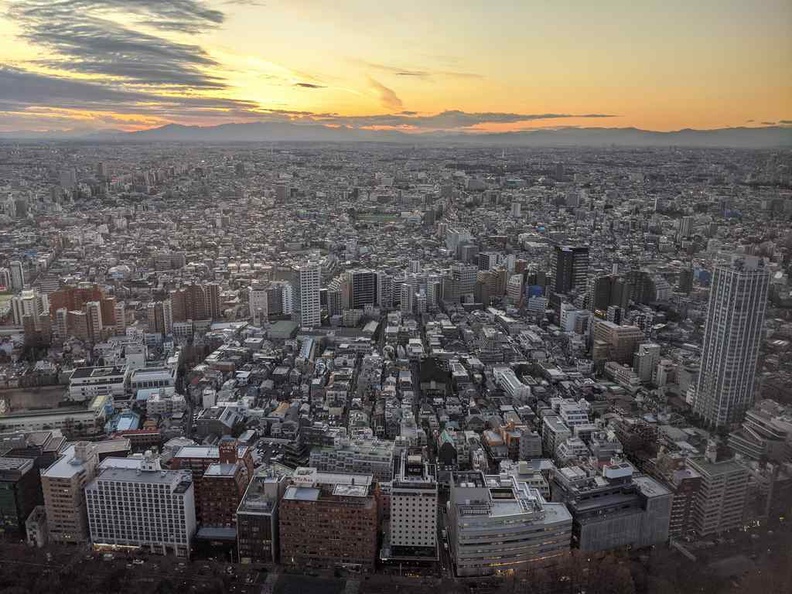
(387, 97)
(24, 94)
(306, 85)
(425, 73)
(84, 38)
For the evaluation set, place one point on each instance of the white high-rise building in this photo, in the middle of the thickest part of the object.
(287, 295)
(17, 275)
(646, 360)
(133, 502)
(119, 311)
(732, 336)
(413, 507)
(310, 283)
(29, 303)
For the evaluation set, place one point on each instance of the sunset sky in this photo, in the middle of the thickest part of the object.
(416, 65)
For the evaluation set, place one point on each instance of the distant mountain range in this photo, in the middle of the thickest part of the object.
(766, 137)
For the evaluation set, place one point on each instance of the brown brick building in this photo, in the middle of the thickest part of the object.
(329, 520)
(222, 488)
(198, 459)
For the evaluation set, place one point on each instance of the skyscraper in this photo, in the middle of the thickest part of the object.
(732, 335)
(310, 282)
(570, 268)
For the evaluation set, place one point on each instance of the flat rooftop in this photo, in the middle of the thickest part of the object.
(468, 479)
(64, 467)
(221, 470)
(15, 463)
(301, 494)
(97, 372)
(150, 477)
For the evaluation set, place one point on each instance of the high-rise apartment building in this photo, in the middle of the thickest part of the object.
(384, 290)
(61, 327)
(570, 268)
(258, 303)
(463, 279)
(63, 485)
(610, 290)
(108, 307)
(646, 360)
(93, 312)
(77, 324)
(159, 315)
(732, 337)
(720, 500)
(74, 297)
(29, 303)
(310, 306)
(196, 302)
(213, 303)
(257, 518)
(363, 288)
(17, 275)
(134, 502)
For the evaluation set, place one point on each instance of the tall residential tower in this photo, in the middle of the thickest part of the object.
(732, 335)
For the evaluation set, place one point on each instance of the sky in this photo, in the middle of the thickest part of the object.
(412, 65)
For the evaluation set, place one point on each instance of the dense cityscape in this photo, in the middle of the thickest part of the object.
(391, 368)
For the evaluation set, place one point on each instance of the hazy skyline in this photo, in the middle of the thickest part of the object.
(415, 66)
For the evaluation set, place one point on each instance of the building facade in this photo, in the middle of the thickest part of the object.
(413, 509)
(732, 337)
(134, 502)
(63, 485)
(329, 520)
(498, 525)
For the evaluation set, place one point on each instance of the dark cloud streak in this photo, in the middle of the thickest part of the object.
(84, 40)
